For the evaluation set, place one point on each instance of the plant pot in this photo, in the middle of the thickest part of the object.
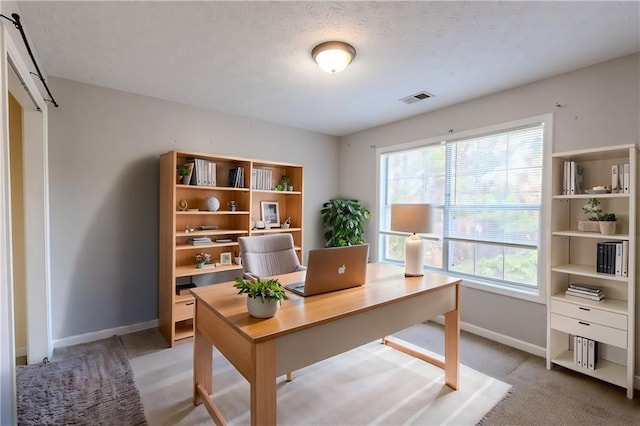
(588, 226)
(185, 180)
(607, 228)
(258, 309)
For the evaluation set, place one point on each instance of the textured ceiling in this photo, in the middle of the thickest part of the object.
(253, 58)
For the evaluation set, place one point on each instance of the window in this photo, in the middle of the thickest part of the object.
(488, 190)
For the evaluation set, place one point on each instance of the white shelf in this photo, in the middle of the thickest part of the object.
(605, 370)
(587, 271)
(595, 235)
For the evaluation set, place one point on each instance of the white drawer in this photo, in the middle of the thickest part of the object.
(594, 331)
(589, 314)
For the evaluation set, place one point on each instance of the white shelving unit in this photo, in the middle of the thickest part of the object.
(572, 259)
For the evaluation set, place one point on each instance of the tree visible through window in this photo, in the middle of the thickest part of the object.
(488, 189)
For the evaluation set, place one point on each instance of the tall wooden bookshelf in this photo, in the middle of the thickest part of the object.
(572, 259)
(183, 216)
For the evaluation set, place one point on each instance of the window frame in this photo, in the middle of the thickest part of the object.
(537, 294)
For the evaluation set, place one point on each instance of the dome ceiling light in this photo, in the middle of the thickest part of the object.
(333, 56)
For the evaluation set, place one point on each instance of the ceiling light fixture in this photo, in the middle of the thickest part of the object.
(333, 56)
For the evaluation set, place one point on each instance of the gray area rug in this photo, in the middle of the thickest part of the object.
(87, 384)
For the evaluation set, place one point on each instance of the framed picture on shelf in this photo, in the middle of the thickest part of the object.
(225, 258)
(270, 213)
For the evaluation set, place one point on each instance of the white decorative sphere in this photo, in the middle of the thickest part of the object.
(212, 204)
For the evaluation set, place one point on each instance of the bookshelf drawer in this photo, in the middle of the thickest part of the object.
(589, 314)
(594, 331)
(184, 309)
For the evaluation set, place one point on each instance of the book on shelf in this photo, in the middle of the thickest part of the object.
(199, 240)
(236, 177)
(611, 256)
(585, 287)
(584, 295)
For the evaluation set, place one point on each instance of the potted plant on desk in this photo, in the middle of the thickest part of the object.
(263, 297)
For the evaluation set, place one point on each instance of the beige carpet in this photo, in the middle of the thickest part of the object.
(373, 384)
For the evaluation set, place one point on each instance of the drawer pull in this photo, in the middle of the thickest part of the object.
(189, 303)
(584, 309)
(584, 323)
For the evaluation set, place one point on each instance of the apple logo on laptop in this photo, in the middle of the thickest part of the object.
(342, 269)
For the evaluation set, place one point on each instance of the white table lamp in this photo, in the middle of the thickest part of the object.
(414, 218)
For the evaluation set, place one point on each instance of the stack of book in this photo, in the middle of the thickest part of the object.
(196, 241)
(585, 291)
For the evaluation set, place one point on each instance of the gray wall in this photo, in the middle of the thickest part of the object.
(600, 106)
(103, 157)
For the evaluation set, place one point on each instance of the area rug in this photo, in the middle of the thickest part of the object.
(373, 384)
(87, 384)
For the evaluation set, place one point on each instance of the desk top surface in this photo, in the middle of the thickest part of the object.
(386, 284)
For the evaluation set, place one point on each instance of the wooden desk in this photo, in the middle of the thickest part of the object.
(307, 330)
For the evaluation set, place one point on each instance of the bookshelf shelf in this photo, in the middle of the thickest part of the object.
(574, 258)
(236, 180)
(606, 370)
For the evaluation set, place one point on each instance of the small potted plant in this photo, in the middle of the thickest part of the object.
(263, 297)
(184, 172)
(597, 220)
(285, 181)
(201, 259)
(607, 224)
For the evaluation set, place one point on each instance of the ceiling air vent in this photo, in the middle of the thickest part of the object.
(411, 99)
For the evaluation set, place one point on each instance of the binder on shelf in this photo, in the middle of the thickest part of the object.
(626, 184)
(565, 179)
(577, 347)
(585, 352)
(615, 179)
(592, 354)
(625, 258)
(618, 262)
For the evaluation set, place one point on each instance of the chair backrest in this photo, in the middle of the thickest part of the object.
(268, 255)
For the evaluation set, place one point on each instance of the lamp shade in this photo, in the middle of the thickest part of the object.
(414, 218)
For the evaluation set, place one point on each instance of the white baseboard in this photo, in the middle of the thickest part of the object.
(103, 334)
(497, 337)
(21, 351)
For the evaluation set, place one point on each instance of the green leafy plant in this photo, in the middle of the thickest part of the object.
(343, 221)
(284, 179)
(182, 170)
(269, 289)
(593, 210)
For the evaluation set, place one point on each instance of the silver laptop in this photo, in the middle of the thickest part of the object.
(334, 268)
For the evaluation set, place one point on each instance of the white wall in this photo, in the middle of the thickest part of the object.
(600, 106)
(103, 158)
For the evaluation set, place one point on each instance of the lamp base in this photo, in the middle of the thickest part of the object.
(413, 256)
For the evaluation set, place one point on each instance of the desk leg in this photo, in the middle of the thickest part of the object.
(202, 366)
(263, 387)
(451, 345)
